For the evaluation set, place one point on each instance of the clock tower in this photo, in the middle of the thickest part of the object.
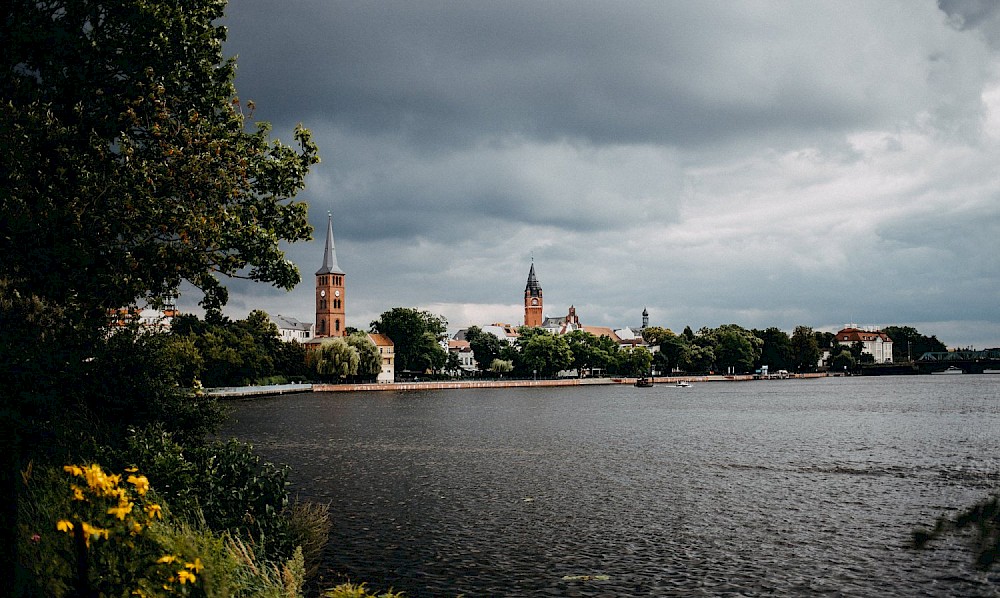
(532, 300)
(330, 320)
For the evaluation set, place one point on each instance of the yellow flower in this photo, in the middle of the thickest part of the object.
(169, 558)
(196, 566)
(136, 528)
(185, 576)
(64, 525)
(91, 531)
(123, 509)
(77, 492)
(131, 469)
(154, 511)
(140, 482)
(73, 470)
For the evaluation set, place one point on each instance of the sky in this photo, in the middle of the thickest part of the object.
(752, 163)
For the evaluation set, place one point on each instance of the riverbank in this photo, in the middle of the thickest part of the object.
(281, 389)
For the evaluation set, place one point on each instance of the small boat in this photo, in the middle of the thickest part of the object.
(951, 370)
(644, 382)
(683, 384)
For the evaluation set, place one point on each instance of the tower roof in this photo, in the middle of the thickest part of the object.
(329, 252)
(533, 288)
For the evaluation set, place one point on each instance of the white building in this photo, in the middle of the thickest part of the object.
(874, 342)
(290, 329)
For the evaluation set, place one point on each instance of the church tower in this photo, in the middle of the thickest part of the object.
(532, 300)
(330, 320)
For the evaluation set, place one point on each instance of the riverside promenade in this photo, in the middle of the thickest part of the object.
(280, 389)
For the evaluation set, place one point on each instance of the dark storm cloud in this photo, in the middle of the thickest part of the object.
(656, 72)
(768, 164)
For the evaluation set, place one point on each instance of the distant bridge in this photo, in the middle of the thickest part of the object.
(970, 362)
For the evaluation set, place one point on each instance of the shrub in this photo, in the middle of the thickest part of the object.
(83, 532)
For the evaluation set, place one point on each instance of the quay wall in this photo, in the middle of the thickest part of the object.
(262, 391)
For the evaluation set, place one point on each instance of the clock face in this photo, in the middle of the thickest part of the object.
(336, 293)
(322, 293)
(534, 301)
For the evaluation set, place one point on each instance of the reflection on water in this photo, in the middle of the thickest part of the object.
(756, 488)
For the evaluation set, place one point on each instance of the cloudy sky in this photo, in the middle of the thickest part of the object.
(757, 163)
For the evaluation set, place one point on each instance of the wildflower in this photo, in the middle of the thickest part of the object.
(77, 492)
(123, 509)
(136, 528)
(64, 525)
(196, 566)
(91, 531)
(154, 511)
(168, 558)
(36, 538)
(185, 576)
(132, 470)
(140, 482)
(73, 470)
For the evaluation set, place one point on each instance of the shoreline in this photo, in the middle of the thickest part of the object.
(281, 389)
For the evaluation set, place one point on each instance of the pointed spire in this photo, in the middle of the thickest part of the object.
(533, 288)
(329, 252)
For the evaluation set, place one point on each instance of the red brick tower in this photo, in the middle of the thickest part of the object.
(532, 300)
(330, 313)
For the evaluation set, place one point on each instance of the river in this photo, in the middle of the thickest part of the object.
(787, 488)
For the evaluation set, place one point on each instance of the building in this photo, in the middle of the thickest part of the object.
(873, 341)
(387, 350)
(532, 300)
(463, 351)
(330, 300)
(290, 329)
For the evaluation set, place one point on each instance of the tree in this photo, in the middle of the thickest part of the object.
(590, 352)
(736, 348)
(337, 359)
(843, 362)
(908, 344)
(127, 165)
(485, 346)
(416, 335)
(673, 354)
(544, 353)
(804, 349)
(369, 359)
(776, 352)
(655, 335)
(634, 361)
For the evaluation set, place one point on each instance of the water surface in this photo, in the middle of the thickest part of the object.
(742, 488)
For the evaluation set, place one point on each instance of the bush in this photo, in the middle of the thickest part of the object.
(84, 532)
(229, 488)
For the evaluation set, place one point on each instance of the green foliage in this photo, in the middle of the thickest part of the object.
(486, 347)
(416, 335)
(776, 351)
(369, 359)
(983, 519)
(350, 590)
(736, 348)
(805, 349)
(909, 344)
(225, 485)
(542, 353)
(335, 359)
(843, 362)
(501, 366)
(634, 361)
(83, 531)
(655, 335)
(223, 352)
(590, 352)
(127, 162)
